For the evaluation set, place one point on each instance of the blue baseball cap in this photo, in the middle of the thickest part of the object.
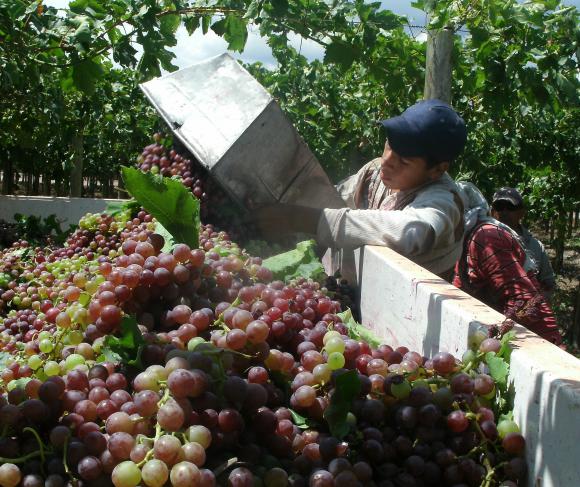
(430, 129)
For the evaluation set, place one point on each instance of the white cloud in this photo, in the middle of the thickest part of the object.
(194, 48)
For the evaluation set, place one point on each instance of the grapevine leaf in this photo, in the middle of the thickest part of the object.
(498, 368)
(358, 332)
(126, 348)
(505, 350)
(341, 53)
(346, 390)
(233, 29)
(115, 208)
(169, 24)
(85, 74)
(167, 237)
(299, 262)
(301, 421)
(169, 201)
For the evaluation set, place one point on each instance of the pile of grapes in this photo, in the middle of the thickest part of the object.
(124, 365)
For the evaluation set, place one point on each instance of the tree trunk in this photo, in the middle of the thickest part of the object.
(7, 183)
(76, 175)
(28, 183)
(46, 184)
(438, 65)
(576, 323)
(120, 187)
(559, 243)
(35, 184)
(570, 224)
(552, 229)
(576, 217)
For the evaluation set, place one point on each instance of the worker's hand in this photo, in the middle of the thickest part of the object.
(281, 219)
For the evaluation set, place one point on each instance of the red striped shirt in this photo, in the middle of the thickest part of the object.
(493, 266)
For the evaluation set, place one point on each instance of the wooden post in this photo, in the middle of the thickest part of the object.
(438, 65)
(76, 175)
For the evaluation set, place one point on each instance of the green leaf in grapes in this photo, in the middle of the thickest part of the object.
(346, 390)
(358, 332)
(128, 346)
(299, 262)
(169, 201)
(498, 368)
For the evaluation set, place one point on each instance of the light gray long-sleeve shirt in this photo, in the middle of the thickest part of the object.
(424, 231)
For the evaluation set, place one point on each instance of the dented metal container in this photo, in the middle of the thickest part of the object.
(235, 129)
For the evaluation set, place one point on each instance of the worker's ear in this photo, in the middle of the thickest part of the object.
(438, 170)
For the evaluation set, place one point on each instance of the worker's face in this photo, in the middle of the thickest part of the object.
(511, 218)
(403, 173)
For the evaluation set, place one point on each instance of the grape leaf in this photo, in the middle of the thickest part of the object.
(169, 201)
(356, 331)
(167, 237)
(342, 53)
(498, 368)
(115, 208)
(301, 421)
(346, 390)
(505, 350)
(126, 348)
(299, 262)
(85, 75)
(234, 30)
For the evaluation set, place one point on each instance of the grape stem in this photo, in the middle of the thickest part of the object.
(40, 443)
(149, 454)
(164, 399)
(64, 461)
(487, 481)
(20, 459)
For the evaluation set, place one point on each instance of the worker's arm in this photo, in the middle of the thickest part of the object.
(429, 221)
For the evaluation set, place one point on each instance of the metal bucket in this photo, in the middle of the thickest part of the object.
(236, 130)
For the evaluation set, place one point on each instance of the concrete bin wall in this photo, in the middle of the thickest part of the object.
(67, 210)
(407, 305)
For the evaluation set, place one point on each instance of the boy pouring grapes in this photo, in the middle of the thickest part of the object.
(404, 199)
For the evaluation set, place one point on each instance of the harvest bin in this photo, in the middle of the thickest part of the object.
(407, 305)
(237, 131)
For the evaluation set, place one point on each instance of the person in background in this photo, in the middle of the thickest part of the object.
(495, 268)
(404, 199)
(508, 207)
